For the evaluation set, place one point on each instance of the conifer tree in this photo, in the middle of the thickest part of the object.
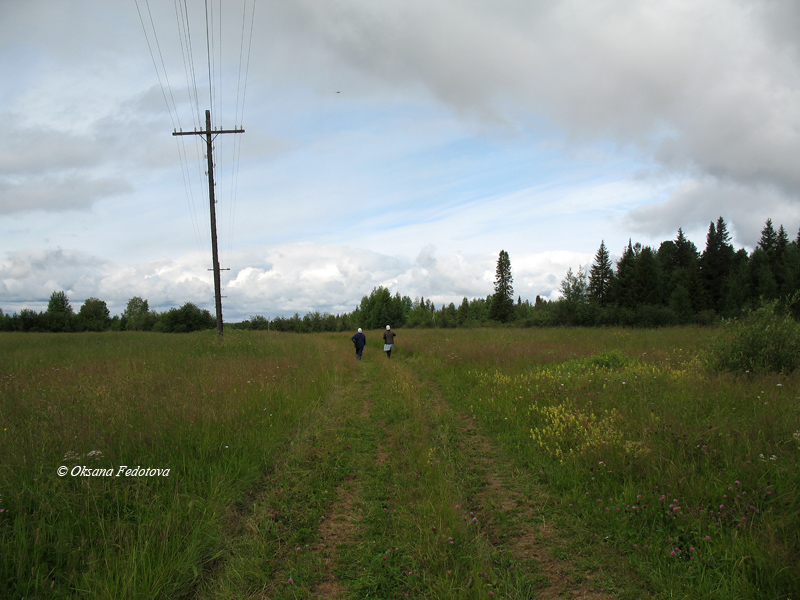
(645, 277)
(600, 275)
(686, 250)
(622, 288)
(502, 306)
(781, 241)
(769, 239)
(715, 264)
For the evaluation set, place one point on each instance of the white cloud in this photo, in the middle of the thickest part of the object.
(388, 143)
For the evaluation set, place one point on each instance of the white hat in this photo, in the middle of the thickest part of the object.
(387, 327)
(359, 330)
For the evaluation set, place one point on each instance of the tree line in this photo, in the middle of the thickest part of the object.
(675, 284)
(95, 316)
(678, 284)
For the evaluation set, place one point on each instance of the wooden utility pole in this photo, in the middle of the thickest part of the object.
(209, 137)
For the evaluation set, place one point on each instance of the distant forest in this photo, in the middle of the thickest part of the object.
(675, 284)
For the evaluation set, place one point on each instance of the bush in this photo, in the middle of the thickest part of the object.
(612, 359)
(186, 319)
(766, 340)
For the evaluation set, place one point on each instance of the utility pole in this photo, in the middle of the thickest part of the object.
(209, 137)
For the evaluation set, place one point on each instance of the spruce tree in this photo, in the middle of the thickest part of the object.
(715, 264)
(622, 288)
(769, 239)
(645, 278)
(686, 250)
(600, 275)
(503, 299)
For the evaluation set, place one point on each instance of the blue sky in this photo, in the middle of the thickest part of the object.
(387, 143)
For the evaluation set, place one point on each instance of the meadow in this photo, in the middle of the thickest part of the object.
(485, 463)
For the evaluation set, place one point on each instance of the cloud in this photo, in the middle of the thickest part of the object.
(462, 127)
(300, 278)
(700, 88)
(58, 193)
(28, 278)
(286, 279)
(695, 202)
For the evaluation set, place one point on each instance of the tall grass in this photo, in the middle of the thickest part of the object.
(620, 437)
(214, 415)
(693, 476)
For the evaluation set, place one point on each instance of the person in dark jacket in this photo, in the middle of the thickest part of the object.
(359, 341)
(388, 341)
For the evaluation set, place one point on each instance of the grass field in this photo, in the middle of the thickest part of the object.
(554, 463)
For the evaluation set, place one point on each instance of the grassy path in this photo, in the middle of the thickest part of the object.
(389, 493)
(473, 464)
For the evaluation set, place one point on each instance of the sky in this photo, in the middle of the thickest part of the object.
(387, 143)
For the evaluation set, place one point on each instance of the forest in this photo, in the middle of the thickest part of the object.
(674, 284)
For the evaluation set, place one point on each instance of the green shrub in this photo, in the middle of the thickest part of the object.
(766, 340)
(611, 359)
(186, 319)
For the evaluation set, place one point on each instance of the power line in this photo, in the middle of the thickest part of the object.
(214, 64)
(209, 54)
(155, 65)
(187, 54)
(241, 91)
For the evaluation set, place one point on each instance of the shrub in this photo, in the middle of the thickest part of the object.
(766, 340)
(611, 359)
(186, 319)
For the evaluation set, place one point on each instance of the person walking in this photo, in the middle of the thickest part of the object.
(388, 341)
(359, 341)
